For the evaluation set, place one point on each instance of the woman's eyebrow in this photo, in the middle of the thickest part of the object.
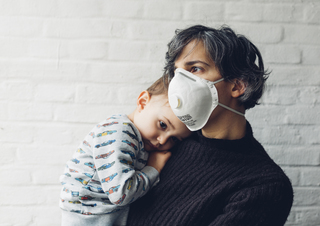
(189, 63)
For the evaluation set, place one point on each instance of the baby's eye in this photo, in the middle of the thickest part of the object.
(163, 125)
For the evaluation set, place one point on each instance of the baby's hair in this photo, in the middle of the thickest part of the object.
(160, 86)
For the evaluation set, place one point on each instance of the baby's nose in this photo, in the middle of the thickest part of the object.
(162, 139)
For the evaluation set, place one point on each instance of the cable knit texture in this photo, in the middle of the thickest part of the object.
(217, 182)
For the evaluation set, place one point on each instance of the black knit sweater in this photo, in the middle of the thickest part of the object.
(217, 182)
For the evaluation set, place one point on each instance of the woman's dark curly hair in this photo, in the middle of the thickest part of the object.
(234, 56)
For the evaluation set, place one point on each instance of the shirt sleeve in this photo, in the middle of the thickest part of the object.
(121, 169)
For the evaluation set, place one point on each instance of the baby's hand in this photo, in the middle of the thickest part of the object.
(158, 159)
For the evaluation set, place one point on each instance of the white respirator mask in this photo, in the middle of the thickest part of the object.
(193, 99)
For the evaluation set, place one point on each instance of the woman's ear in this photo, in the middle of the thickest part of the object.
(238, 88)
(143, 99)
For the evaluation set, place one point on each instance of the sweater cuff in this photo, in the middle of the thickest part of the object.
(152, 174)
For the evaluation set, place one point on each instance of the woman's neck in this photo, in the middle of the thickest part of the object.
(229, 126)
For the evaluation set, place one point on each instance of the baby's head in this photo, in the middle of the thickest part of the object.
(159, 127)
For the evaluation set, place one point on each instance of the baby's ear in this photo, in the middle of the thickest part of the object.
(143, 99)
(238, 88)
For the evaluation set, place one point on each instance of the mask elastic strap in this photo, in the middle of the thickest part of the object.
(215, 82)
(235, 111)
(224, 106)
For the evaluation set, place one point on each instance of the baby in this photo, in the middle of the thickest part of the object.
(120, 160)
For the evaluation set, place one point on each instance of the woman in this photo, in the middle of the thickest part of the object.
(221, 175)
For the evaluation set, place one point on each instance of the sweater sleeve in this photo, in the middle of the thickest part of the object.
(261, 205)
(115, 156)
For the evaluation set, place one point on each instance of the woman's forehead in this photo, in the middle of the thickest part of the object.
(194, 51)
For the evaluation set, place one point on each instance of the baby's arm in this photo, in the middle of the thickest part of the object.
(158, 159)
(118, 172)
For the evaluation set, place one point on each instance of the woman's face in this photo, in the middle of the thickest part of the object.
(194, 59)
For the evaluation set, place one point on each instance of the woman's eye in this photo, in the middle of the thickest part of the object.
(163, 125)
(195, 69)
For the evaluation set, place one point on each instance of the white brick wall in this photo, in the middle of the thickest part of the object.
(67, 64)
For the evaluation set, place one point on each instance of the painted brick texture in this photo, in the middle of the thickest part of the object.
(66, 65)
